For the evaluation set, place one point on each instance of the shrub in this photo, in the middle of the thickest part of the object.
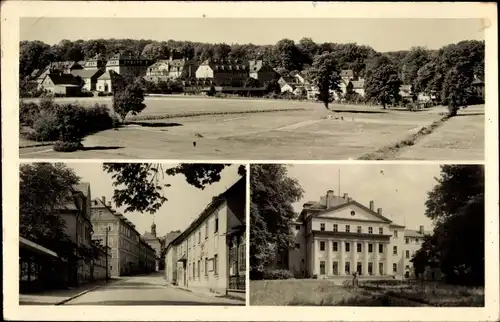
(98, 119)
(45, 128)
(28, 113)
(277, 274)
(71, 122)
(61, 146)
(47, 103)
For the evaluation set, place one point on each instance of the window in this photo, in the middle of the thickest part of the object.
(347, 267)
(198, 268)
(380, 230)
(335, 246)
(199, 236)
(347, 228)
(353, 213)
(407, 266)
(358, 246)
(206, 266)
(407, 254)
(395, 250)
(302, 260)
(380, 248)
(322, 268)
(370, 230)
(394, 267)
(335, 227)
(359, 229)
(416, 240)
(297, 245)
(381, 268)
(370, 268)
(347, 247)
(395, 234)
(242, 261)
(216, 265)
(335, 268)
(216, 225)
(407, 240)
(206, 230)
(297, 227)
(322, 227)
(370, 248)
(321, 245)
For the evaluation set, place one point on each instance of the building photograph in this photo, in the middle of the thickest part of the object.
(327, 233)
(123, 234)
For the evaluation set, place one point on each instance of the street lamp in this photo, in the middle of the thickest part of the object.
(108, 228)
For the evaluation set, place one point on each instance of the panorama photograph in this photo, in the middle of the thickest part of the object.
(242, 89)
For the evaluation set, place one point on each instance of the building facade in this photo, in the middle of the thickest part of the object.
(228, 72)
(338, 236)
(171, 69)
(124, 63)
(155, 243)
(208, 255)
(147, 257)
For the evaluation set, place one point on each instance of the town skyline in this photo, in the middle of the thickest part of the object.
(409, 186)
(167, 217)
(371, 32)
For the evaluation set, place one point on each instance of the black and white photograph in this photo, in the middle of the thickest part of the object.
(367, 235)
(242, 89)
(132, 234)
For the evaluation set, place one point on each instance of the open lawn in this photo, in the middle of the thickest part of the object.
(327, 293)
(184, 128)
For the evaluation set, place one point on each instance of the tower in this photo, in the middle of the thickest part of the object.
(153, 229)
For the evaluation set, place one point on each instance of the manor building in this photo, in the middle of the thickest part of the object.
(338, 236)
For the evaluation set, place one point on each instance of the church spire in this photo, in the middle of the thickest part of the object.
(153, 229)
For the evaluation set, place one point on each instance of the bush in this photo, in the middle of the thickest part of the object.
(277, 274)
(45, 128)
(61, 146)
(71, 122)
(98, 119)
(47, 104)
(28, 113)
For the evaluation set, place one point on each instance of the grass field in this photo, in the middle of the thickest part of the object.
(298, 131)
(327, 293)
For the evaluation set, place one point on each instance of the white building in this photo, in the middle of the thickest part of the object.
(210, 255)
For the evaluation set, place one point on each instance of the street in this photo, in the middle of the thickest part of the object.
(147, 290)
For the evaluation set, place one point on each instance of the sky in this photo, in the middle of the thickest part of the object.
(184, 204)
(387, 34)
(399, 189)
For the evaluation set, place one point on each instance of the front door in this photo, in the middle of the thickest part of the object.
(359, 268)
(335, 268)
(381, 268)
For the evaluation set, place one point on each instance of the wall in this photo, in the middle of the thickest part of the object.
(101, 84)
(204, 71)
(297, 256)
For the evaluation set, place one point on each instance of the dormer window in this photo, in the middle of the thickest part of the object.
(322, 227)
(335, 227)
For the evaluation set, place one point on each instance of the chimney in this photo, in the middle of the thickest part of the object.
(329, 199)
(346, 195)
(379, 211)
(103, 198)
(109, 204)
(372, 205)
(421, 230)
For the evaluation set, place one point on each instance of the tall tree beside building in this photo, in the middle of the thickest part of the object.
(456, 90)
(382, 81)
(325, 74)
(129, 99)
(416, 58)
(272, 194)
(287, 55)
(456, 204)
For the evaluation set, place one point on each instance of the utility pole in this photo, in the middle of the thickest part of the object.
(107, 273)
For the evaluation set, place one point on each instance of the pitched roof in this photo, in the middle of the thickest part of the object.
(226, 64)
(108, 76)
(405, 88)
(255, 65)
(413, 233)
(477, 81)
(64, 79)
(86, 73)
(347, 73)
(83, 187)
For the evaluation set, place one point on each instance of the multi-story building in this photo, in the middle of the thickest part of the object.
(227, 72)
(124, 63)
(210, 254)
(170, 69)
(98, 62)
(98, 270)
(147, 257)
(123, 238)
(76, 215)
(155, 243)
(338, 236)
(261, 71)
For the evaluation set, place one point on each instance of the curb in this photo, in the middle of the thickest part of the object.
(36, 145)
(81, 293)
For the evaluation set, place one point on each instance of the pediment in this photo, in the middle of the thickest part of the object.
(353, 211)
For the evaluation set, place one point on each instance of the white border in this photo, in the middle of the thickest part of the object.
(12, 10)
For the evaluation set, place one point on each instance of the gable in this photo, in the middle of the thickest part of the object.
(361, 213)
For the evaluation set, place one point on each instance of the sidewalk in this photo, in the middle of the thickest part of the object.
(207, 293)
(58, 297)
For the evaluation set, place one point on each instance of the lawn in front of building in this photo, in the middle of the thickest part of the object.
(309, 292)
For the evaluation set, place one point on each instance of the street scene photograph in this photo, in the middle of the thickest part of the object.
(405, 235)
(242, 89)
(132, 234)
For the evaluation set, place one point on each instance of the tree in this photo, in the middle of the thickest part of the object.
(137, 185)
(129, 99)
(287, 55)
(456, 204)
(308, 49)
(457, 88)
(325, 74)
(271, 211)
(43, 189)
(382, 81)
(416, 58)
(211, 91)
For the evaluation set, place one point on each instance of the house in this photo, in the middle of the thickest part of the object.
(338, 236)
(262, 72)
(106, 81)
(406, 93)
(122, 238)
(287, 84)
(226, 72)
(76, 215)
(89, 77)
(210, 255)
(125, 63)
(98, 265)
(155, 243)
(478, 88)
(60, 83)
(171, 69)
(96, 62)
(358, 86)
(147, 257)
(347, 75)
